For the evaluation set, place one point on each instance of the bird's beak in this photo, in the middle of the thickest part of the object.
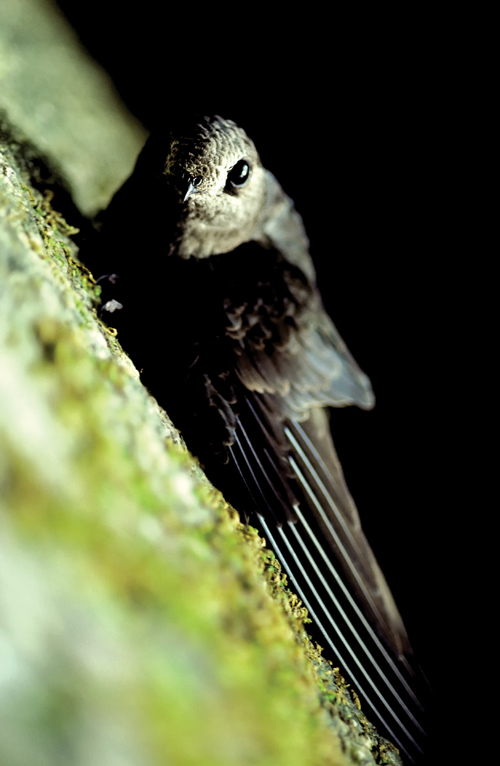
(190, 190)
(187, 189)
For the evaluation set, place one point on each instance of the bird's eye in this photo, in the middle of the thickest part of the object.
(239, 175)
(197, 181)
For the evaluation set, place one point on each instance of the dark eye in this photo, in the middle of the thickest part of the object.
(239, 175)
(197, 180)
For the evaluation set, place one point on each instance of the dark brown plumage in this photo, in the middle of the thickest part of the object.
(212, 253)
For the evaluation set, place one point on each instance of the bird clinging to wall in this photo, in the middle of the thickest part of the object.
(228, 327)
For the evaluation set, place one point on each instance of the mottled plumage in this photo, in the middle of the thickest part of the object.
(212, 253)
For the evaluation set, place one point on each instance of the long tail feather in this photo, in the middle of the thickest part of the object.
(324, 552)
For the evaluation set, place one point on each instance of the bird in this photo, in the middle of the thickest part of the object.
(221, 312)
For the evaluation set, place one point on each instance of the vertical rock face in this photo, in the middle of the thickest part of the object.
(113, 542)
(140, 621)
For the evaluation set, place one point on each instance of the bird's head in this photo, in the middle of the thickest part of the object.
(213, 170)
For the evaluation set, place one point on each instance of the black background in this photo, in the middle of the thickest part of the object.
(352, 116)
